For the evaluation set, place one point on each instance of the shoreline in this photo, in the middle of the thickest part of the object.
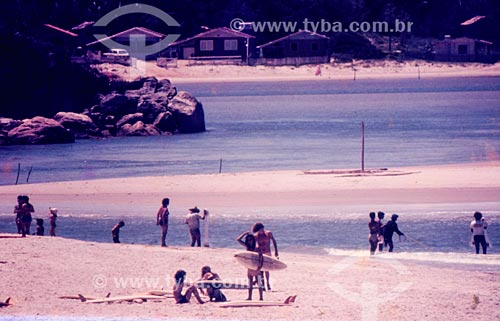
(369, 69)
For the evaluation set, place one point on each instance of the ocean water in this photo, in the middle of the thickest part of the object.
(294, 125)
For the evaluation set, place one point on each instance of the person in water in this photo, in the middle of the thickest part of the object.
(180, 298)
(374, 232)
(389, 230)
(254, 276)
(478, 228)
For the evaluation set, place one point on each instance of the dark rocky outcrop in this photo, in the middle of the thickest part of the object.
(80, 125)
(40, 130)
(146, 107)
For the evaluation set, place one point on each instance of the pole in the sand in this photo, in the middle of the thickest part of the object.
(29, 173)
(362, 146)
(18, 172)
(220, 166)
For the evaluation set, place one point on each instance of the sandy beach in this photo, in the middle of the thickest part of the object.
(359, 70)
(36, 271)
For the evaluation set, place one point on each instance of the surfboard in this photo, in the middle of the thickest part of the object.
(5, 303)
(250, 260)
(248, 304)
(135, 297)
(206, 236)
(220, 284)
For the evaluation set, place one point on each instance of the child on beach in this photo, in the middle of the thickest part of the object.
(40, 231)
(52, 219)
(214, 293)
(251, 245)
(180, 298)
(162, 220)
(115, 232)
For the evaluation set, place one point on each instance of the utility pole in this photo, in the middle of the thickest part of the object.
(362, 147)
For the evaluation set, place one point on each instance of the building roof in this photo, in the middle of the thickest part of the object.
(472, 20)
(129, 32)
(61, 30)
(222, 32)
(300, 35)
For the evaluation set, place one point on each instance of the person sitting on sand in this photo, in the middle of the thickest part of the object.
(374, 229)
(251, 245)
(478, 228)
(264, 239)
(214, 293)
(162, 220)
(115, 231)
(193, 222)
(180, 298)
(389, 230)
(52, 219)
(40, 230)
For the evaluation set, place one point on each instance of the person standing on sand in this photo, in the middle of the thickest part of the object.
(389, 230)
(478, 229)
(162, 220)
(374, 228)
(19, 214)
(52, 219)
(193, 222)
(380, 222)
(251, 245)
(26, 219)
(264, 239)
(115, 232)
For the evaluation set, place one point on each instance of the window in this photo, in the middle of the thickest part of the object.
(206, 45)
(462, 49)
(294, 46)
(230, 44)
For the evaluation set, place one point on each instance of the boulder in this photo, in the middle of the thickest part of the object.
(130, 119)
(117, 105)
(80, 125)
(165, 122)
(7, 124)
(187, 112)
(152, 105)
(40, 130)
(165, 86)
(138, 129)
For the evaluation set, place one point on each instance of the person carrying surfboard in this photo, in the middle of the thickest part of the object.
(264, 239)
(251, 245)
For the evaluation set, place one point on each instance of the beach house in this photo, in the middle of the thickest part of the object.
(219, 45)
(303, 47)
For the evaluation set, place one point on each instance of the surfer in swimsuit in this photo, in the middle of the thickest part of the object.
(374, 228)
(478, 229)
(52, 219)
(380, 222)
(264, 239)
(180, 298)
(254, 276)
(162, 220)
